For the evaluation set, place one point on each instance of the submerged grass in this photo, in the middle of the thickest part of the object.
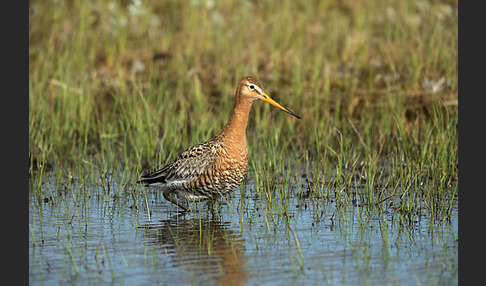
(124, 86)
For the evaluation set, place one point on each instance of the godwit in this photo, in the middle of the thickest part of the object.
(211, 169)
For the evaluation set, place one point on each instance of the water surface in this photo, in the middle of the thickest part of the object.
(131, 236)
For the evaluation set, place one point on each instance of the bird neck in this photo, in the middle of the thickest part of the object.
(235, 129)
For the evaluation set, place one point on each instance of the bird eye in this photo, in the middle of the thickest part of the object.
(252, 86)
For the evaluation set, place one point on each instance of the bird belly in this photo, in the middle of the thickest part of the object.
(180, 188)
(191, 196)
(172, 185)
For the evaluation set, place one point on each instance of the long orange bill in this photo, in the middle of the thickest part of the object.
(268, 99)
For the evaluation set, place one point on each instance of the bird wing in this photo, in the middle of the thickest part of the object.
(188, 165)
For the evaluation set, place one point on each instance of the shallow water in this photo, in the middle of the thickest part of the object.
(90, 235)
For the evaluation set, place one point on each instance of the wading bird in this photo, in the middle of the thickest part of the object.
(211, 169)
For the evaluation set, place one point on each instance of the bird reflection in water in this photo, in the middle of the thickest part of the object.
(208, 248)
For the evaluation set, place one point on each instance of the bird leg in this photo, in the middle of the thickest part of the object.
(215, 204)
(175, 202)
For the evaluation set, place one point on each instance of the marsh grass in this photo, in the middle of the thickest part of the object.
(119, 87)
